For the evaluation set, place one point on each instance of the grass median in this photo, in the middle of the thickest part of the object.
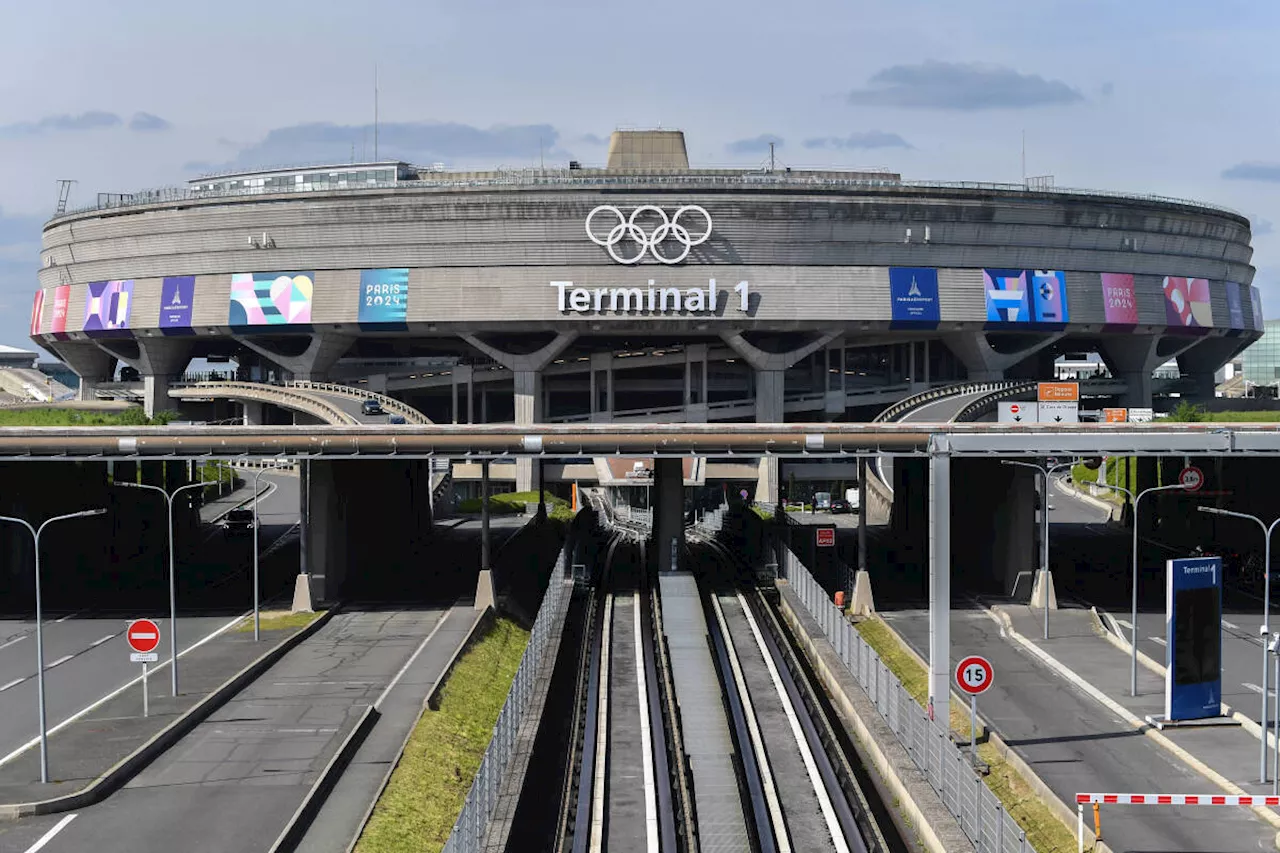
(1045, 832)
(277, 620)
(416, 813)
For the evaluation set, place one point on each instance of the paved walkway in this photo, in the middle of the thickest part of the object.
(1075, 743)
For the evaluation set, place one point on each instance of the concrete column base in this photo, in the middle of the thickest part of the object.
(302, 595)
(485, 597)
(863, 603)
(1038, 591)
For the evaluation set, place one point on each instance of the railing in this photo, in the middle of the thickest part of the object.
(548, 178)
(391, 404)
(472, 826)
(261, 392)
(978, 811)
(710, 522)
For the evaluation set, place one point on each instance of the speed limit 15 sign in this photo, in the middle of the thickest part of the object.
(974, 674)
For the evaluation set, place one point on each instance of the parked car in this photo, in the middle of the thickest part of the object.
(396, 419)
(238, 521)
(840, 506)
(372, 407)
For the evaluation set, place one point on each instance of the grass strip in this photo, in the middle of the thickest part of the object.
(1045, 832)
(277, 620)
(416, 812)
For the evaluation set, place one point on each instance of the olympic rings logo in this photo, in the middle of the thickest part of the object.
(632, 229)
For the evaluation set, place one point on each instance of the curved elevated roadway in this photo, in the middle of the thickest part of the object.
(331, 403)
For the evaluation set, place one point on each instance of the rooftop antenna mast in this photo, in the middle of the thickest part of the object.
(64, 192)
(771, 157)
(375, 112)
(1024, 157)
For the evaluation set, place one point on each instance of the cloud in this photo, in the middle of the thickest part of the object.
(961, 86)
(1254, 171)
(593, 139)
(867, 139)
(1107, 89)
(1261, 227)
(755, 145)
(148, 122)
(420, 142)
(92, 120)
(200, 167)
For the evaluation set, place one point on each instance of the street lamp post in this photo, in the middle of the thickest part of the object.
(256, 596)
(35, 535)
(1133, 616)
(1044, 529)
(1266, 619)
(173, 588)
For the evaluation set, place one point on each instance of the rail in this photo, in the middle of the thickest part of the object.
(391, 404)
(261, 392)
(979, 812)
(540, 178)
(988, 403)
(472, 827)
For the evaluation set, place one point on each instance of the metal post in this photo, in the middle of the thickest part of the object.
(1079, 828)
(1266, 628)
(484, 515)
(44, 731)
(146, 707)
(939, 576)
(1275, 782)
(973, 729)
(256, 615)
(1044, 551)
(1133, 627)
(173, 606)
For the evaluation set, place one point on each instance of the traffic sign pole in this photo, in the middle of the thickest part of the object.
(973, 727)
(146, 710)
(974, 675)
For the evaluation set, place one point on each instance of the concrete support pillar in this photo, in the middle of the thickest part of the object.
(770, 387)
(254, 413)
(668, 515)
(981, 361)
(528, 410)
(1133, 359)
(940, 582)
(324, 531)
(155, 394)
(313, 363)
(91, 363)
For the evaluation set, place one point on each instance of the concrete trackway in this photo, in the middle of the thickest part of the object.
(234, 782)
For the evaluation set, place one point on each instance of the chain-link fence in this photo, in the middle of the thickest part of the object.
(473, 822)
(978, 811)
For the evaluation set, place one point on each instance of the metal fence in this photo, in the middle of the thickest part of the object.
(978, 811)
(472, 826)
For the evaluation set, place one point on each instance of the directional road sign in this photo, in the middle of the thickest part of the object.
(1115, 416)
(1059, 412)
(1064, 392)
(826, 537)
(143, 635)
(1141, 416)
(1191, 478)
(974, 674)
(1018, 413)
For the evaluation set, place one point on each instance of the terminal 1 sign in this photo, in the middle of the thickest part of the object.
(648, 300)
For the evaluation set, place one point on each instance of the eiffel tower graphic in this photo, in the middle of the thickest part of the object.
(915, 288)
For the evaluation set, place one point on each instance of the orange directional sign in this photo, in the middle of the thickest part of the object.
(1115, 416)
(1061, 392)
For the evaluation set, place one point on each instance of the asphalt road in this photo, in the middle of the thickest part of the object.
(1075, 744)
(938, 411)
(233, 782)
(86, 656)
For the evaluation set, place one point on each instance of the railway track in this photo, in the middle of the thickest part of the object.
(698, 729)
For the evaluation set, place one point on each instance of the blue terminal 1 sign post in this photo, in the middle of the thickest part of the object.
(1193, 632)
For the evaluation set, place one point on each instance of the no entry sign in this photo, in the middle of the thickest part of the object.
(974, 674)
(143, 635)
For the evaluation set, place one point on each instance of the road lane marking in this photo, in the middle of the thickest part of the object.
(1158, 640)
(68, 616)
(14, 642)
(1128, 626)
(1253, 688)
(60, 661)
(13, 683)
(48, 836)
(1233, 626)
(113, 694)
(96, 643)
(435, 629)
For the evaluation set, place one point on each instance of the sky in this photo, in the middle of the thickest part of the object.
(1171, 97)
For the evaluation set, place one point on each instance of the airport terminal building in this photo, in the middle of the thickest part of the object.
(644, 291)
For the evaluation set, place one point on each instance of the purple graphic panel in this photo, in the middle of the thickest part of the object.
(176, 296)
(106, 307)
(1119, 298)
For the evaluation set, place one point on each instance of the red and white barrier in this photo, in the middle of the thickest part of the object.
(1097, 800)
(1176, 800)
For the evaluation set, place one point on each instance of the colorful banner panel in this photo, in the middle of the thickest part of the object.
(1186, 302)
(1049, 295)
(61, 308)
(1120, 299)
(384, 296)
(270, 298)
(106, 306)
(176, 297)
(1006, 292)
(913, 292)
(37, 308)
(1255, 296)
(1235, 308)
